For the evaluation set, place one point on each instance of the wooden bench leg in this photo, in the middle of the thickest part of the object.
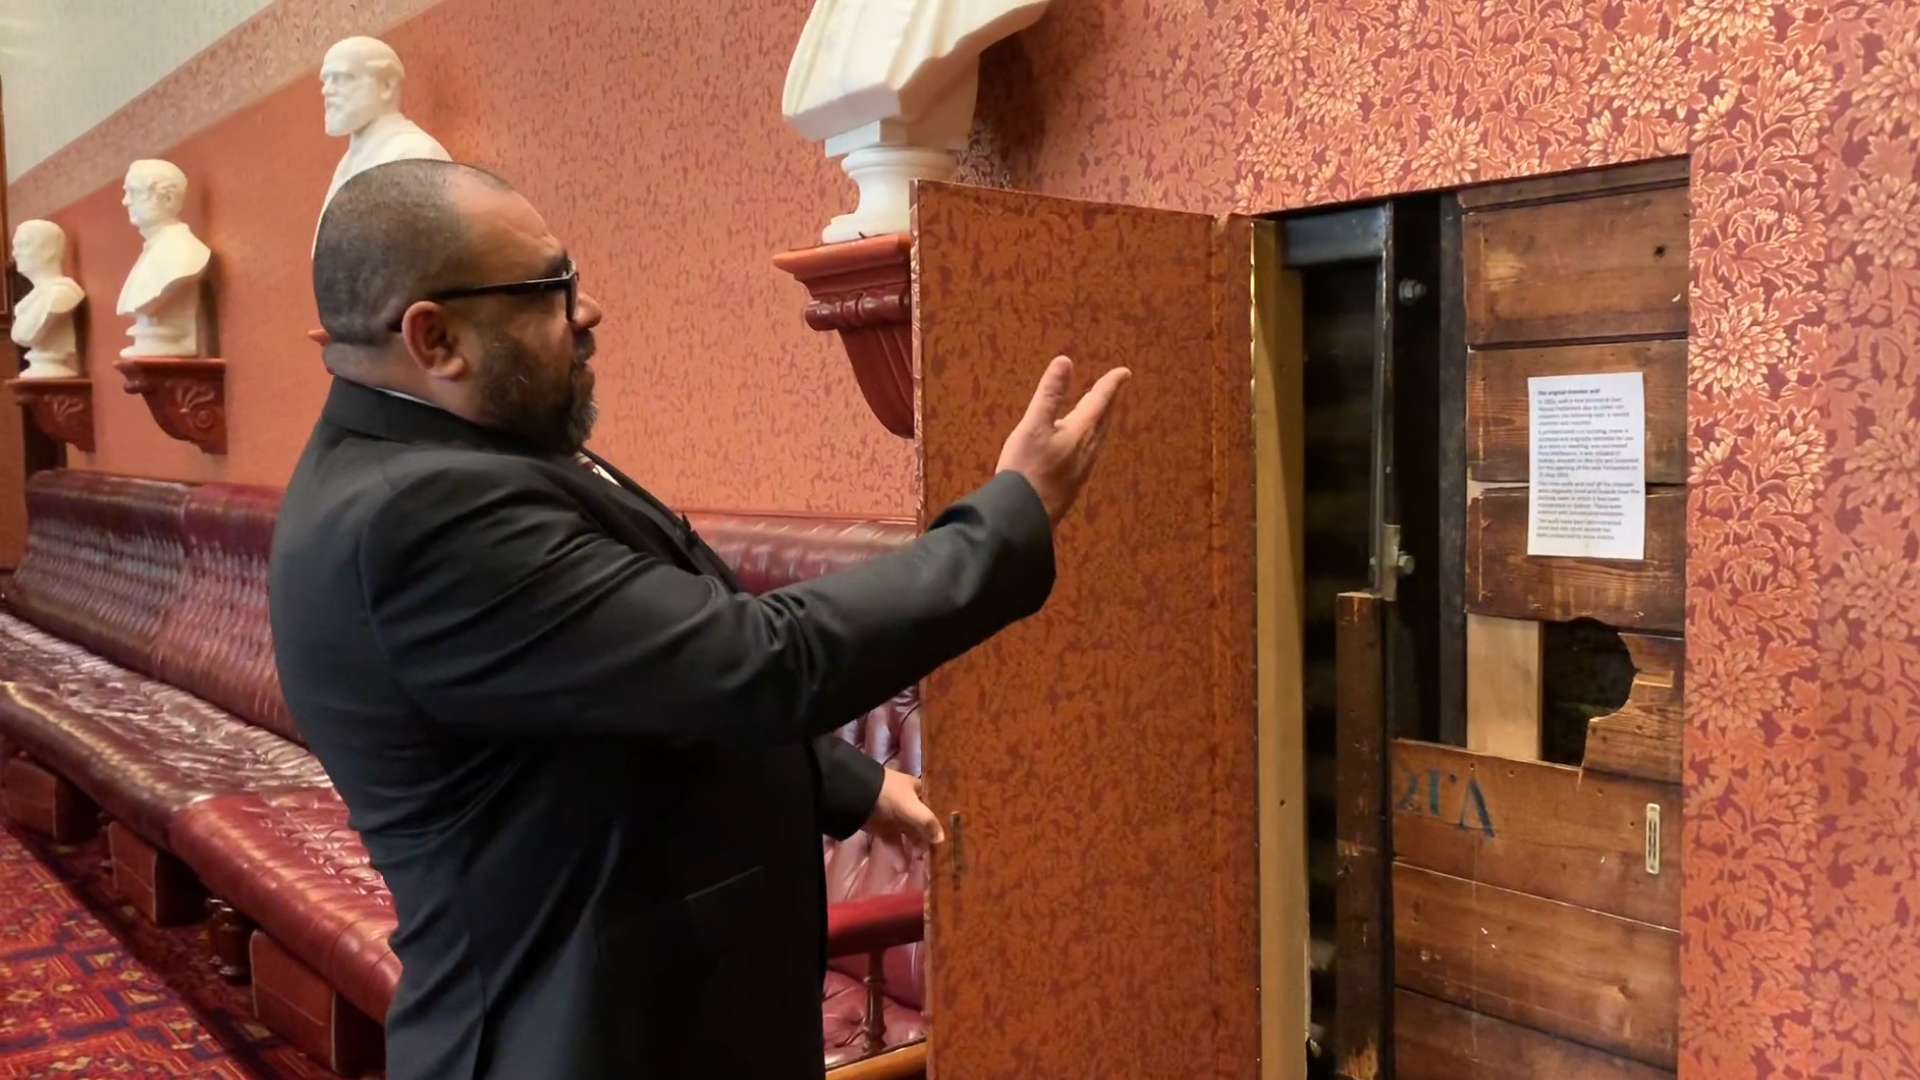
(229, 933)
(158, 885)
(45, 801)
(296, 1003)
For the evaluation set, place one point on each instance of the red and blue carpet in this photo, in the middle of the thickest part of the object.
(90, 991)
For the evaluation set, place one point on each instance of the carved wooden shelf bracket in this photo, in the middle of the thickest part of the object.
(62, 407)
(864, 290)
(186, 396)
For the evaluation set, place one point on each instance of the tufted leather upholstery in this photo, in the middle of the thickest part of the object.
(172, 581)
(214, 640)
(843, 1014)
(767, 552)
(144, 750)
(31, 655)
(861, 865)
(289, 861)
(104, 559)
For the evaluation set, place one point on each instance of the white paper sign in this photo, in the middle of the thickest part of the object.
(1587, 459)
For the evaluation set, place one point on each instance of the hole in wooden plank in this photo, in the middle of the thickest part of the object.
(1585, 671)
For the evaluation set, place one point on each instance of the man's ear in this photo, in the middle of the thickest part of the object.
(433, 341)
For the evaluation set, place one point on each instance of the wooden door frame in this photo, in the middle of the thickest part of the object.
(1280, 567)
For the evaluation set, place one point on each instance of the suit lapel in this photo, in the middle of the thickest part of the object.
(675, 527)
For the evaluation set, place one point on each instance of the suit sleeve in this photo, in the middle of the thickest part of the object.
(849, 785)
(504, 608)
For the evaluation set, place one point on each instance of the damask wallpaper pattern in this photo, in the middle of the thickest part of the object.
(1801, 952)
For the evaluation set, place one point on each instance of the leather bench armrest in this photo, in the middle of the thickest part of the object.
(874, 923)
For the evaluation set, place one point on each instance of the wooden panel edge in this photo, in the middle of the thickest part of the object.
(1364, 849)
(1585, 183)
(1280, 577)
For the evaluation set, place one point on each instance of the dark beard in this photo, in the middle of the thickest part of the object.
(555, 418)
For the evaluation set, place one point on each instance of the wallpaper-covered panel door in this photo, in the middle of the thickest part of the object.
(1094, 913)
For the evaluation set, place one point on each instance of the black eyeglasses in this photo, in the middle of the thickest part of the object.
(569, 281)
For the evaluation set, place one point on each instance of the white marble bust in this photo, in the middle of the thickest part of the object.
(889, 86)
(162, 293)
(360, 81)
(43, 320)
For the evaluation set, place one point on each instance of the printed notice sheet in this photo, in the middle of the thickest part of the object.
(1587, 459)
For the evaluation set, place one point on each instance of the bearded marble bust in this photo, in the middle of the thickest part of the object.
(43, 320)
(162, 293)
(889, 87)
(360, 82)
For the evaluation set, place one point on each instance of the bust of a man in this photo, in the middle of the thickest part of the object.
(43, 320)
(163, 291)
(889, 86)
(360, 82)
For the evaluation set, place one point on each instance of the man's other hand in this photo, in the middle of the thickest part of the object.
(900, 811)
(1054, 452)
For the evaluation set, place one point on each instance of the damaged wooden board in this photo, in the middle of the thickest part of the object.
(1437, 1041)
(1582, 975)
(1549, 830)
(1503, 580)
(1643, 738)
(1605, 266)
(1497, 402)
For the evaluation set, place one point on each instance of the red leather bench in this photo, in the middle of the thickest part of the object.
(138, 677)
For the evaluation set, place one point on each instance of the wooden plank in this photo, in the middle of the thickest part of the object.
(898, 1063)
(1533, 827)
(1601, 267)
(1279, 361)
(1503, 687)
(1643, 738)
(1361, 1017)
(1437, 1041)
(1497, 411)
(1503, 580)
(1671, 172)
(1451, 555)
(1583, 975)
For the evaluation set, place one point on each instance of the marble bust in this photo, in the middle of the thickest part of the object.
(889, 86)
(43, 320)
(360, 81)
(162, 293)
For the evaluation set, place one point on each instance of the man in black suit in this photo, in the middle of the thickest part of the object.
(592, 769)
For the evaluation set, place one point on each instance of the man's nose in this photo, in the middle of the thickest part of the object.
(586, 312)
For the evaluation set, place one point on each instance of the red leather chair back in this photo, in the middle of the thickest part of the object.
(105, 557)
(216, 641)
(767, 552)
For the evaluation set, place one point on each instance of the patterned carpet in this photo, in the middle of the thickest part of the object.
(90, 991)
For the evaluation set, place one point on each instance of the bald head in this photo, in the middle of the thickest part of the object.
(366, 51)
(391, 235)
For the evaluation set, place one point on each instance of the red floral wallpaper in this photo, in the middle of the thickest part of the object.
(1801, 953)
(1801, 948)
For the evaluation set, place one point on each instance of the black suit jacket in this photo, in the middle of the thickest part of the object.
(590, 767)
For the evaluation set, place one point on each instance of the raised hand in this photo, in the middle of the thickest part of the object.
(1056, 453)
